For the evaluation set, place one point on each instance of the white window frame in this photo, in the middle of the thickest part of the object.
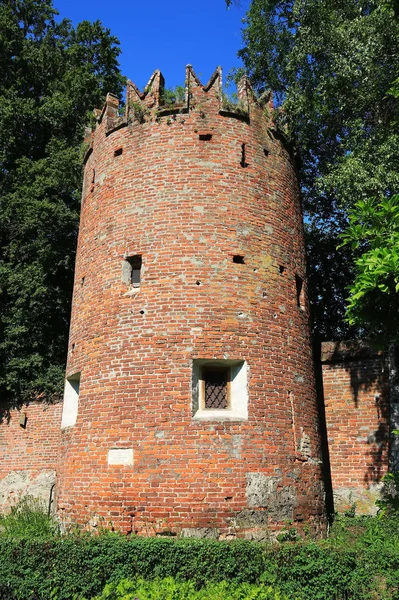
(237, 409)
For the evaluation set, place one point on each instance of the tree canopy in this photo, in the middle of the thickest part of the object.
(52, 76)
(331, 64)
(373, 234)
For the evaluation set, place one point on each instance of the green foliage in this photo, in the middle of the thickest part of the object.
(84, 564)
(389, 503)
(28, 518)
(359, 561)
(390, 499)
(169, 589)
(373, 234)
(172, 96)
(140, 111)
(331, 64)
(53, 76)
(231, 103)
(288, 535)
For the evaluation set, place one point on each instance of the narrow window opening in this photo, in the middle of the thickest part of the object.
(93, 178)
(205, 137)
(216, 387)
(243, 161)
(238, 259)
(131, 270)
(266, 152)
(281, 269)
(300, 297)
(82, 281)
(118, 152)
(71, 401)
(136, 271)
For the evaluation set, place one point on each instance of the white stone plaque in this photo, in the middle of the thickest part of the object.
(120, 456)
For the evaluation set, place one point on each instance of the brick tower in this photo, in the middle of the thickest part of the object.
(190, 404)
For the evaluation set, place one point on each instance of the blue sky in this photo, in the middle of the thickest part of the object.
(166, 34)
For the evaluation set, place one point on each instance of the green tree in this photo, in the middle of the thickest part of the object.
(373, 234)
(52, 76)
(330, 64)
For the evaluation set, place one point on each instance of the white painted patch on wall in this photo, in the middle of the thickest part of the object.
(120, 456)
(71, 401)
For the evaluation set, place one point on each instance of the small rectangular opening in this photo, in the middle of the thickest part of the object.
(118, 152)
(238, 259)
(135, 275)
(281, 269)
(131, 270)
(300, 297)
(23, 419)
(243, 161)
(71, 401)
(205, 137)
(215, 387)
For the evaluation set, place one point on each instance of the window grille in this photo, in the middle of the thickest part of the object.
(216, 387)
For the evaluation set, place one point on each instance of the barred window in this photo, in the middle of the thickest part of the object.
(219, 389)
(216, 387)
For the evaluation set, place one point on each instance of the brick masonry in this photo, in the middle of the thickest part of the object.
(29, 445)
(187, 188)
(356, 396)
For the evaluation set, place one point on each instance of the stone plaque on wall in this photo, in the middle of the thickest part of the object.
(120, 456)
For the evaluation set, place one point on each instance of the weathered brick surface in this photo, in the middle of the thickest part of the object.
(355, 379)
(28, 455)
(187, 206)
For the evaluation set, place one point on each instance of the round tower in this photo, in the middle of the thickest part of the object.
(190, 405)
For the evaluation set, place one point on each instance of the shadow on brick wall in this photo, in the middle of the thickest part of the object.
(366, 371)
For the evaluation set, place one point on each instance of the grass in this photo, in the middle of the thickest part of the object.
(28, 518)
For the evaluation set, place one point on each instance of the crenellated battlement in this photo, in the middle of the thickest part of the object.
(150, 104)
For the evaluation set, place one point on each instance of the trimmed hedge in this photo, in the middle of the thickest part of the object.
(60, 568)
(70, 568)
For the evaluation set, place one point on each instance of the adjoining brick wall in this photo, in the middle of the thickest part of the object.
(29, 446)
(187, 189)
(356, 396)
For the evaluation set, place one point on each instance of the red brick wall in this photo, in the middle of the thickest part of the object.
(28, 455)
(187, 206)
(355, 379)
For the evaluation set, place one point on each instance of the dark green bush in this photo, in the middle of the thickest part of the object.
(360, 561)
(60, 568)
